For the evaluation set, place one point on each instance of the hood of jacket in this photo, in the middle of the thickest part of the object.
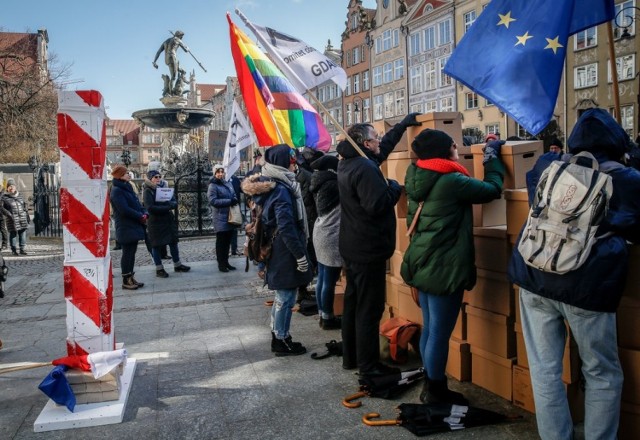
(346, 150)
(256, 185)
(598, 133)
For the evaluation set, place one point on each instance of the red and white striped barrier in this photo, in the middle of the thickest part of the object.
(84, 203)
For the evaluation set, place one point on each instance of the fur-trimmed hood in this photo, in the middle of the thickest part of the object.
(256, 184)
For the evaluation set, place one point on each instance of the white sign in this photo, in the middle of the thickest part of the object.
(164, 194)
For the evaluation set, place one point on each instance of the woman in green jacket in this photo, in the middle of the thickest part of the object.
(440, 260)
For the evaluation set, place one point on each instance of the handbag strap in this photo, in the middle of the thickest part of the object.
(416, 216)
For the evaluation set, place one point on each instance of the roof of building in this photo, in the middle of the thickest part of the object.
(207, 91)
(124, 126)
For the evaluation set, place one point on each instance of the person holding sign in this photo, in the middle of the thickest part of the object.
(162, 229)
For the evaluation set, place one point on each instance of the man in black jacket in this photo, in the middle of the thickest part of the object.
(367, 240)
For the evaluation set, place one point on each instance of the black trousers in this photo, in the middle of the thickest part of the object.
(364, 299)
(223, 242)
(128, 258)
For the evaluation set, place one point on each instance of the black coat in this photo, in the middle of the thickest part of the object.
(19, 218)
(127, 211)
(368, 220)
(221, 194)
(161, 225)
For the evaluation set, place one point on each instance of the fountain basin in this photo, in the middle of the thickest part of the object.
(181, 119)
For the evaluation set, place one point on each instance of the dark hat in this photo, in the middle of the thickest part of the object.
(431, 144)
(491, 137)
(281, 155)
(326, 162)
(152, 173)
(118, 171)
(11, 181)
(597, 132)
(557, 142)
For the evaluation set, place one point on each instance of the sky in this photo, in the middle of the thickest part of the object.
(110, 45)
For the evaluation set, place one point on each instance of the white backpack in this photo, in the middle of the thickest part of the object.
(570, 202)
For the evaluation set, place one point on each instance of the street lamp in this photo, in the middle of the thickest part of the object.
(126, 157)
(357, 107)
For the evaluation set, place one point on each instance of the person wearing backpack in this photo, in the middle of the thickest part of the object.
(587, 296)
(284, 219)
(440, 259)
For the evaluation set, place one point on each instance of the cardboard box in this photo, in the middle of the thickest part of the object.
(630, 361)
(407, 308)
(492, 292)
(518, 158)
(521, 347)
(395, 263)
(460, 330)
(397, 168)
(628, 325)
(493, 213)
(491, 332)
(449, 122)
(517, 211)
(459, 361)
(629, 422)
(465, 158)
(516, 303)
(491, 372)
(338, 300)
(492, 248)
(393, 286)
(402, 207)
(632, 288)
(402, 240)
(522, 389)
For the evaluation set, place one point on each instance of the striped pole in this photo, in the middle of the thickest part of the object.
(84, 203)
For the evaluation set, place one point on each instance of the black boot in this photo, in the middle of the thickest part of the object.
(286, 347)
(128, 282)
(136, 282)
(437, 391)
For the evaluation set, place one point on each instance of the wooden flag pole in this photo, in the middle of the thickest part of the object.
(614, 73)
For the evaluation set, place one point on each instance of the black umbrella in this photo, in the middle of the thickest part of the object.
(385, 387)
(426, 419)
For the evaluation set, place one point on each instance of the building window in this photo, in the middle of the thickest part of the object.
(378, 45)
(445, 80)
(429, 38)
(347, 89)
(431, 106)
(444, 33)
(396, 37)
(430, 76)
(377, 107)
(398, 69)
(492, 129)
(386, 40)
(469, 18)
(349, 114)
(387, 73)
(377, 76)
(354, 21)
(416, 80)
(471, 100)
(388, 105)
(415, 44)
(365, 80)
(366, 110)
(400, 102)
(626, 119)
(446, 104)
(630, 22)
(363, 51)
(585, 39)
(586, 76)
(626, 67)
(416, 108)
(523, 133)
(356, 83)
(356, 55)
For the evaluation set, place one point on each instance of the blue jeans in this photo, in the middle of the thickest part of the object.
(326, 289)
(18, 238)
(281, 312)
(156, 252)
(439, 315)
(543, 326)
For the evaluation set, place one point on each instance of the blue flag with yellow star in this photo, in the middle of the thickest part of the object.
(514, 53)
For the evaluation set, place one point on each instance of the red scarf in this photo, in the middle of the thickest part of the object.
(444, 166)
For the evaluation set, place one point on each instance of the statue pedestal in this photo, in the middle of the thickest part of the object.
(173, 101)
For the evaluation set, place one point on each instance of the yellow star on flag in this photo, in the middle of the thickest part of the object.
(505, 19)
(522, 39)
(554, 45)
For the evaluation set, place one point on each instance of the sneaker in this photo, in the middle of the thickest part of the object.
(162, 273)
(286, 347)
(182, 268)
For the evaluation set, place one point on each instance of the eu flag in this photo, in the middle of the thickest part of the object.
(514, 53)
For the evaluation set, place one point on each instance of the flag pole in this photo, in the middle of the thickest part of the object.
(614, 72)
(336, 124)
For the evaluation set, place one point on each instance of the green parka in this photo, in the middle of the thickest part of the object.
(440, 259)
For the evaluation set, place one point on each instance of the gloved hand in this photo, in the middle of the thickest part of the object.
(303, 265)
(492, 151)
(410, 120)
(234, 201)
(143, 219)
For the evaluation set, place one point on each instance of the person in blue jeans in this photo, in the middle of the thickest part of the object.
(585, 298)
(440, 259)
(326, 231)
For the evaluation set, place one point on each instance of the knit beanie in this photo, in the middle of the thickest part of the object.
(11, 181)
(118, 171)
(431, 144)
(326, 162)
(152, 173)
(280, 155)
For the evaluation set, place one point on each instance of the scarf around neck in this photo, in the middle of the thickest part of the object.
(442, 166)
(288, 178)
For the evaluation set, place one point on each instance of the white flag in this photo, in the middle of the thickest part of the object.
(239, 137)
(303, 65)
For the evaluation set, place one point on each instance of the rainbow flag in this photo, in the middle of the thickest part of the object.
(278, 113)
